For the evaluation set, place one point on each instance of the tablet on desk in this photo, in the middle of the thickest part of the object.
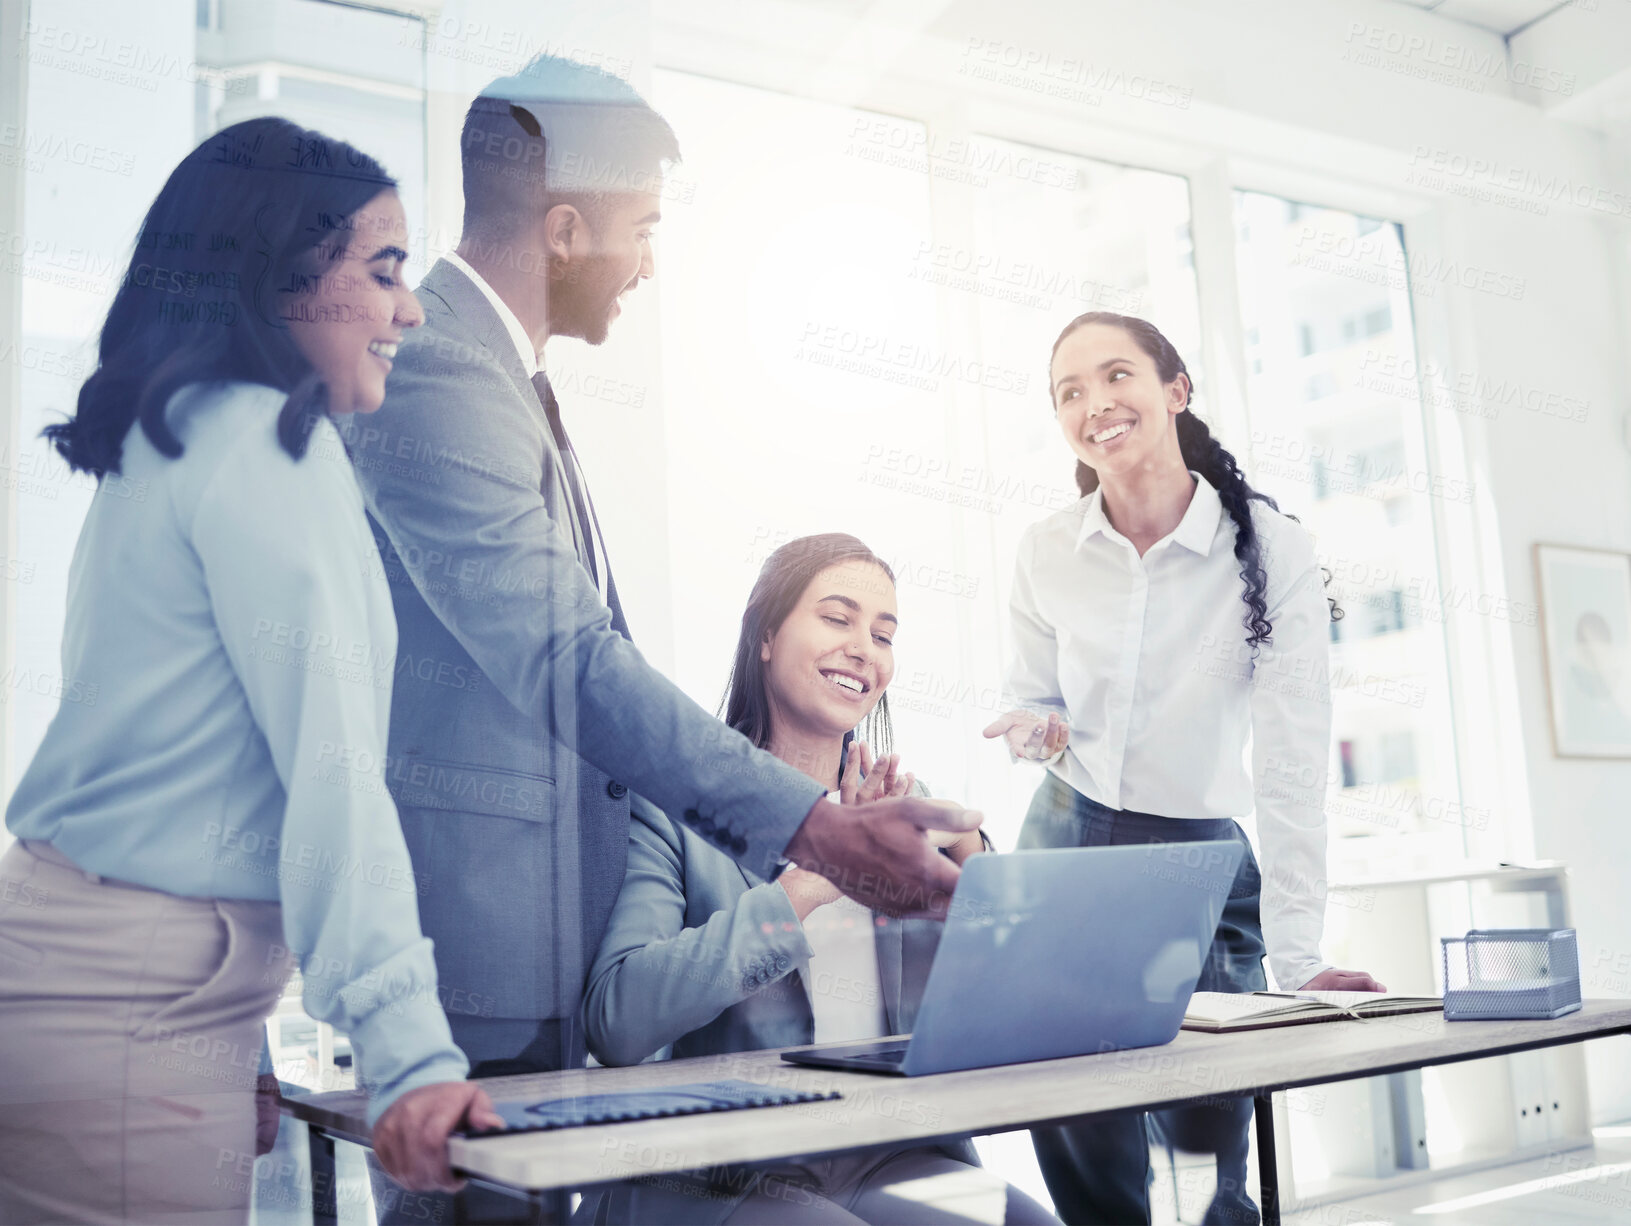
(694, 1099)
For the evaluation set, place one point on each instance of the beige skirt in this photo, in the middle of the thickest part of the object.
(130, 1037)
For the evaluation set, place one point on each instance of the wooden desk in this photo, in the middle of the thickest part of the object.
(879, 1110)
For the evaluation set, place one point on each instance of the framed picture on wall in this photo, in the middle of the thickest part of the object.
(1585, 619)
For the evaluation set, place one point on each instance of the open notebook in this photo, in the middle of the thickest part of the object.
(1227, 1011)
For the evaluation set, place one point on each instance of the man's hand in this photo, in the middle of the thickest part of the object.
(410, 1139)
(1333, 980)
(1029, 735)
(878, 852)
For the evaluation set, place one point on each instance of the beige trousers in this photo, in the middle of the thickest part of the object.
(130, 1036)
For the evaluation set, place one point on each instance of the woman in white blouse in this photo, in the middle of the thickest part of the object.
(1161, 624)
(703, 955)
(207, 809)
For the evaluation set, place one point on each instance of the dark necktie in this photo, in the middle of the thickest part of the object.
(595, 560)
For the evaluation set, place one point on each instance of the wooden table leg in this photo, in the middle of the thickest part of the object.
(1268, 1173)
(325, 1195)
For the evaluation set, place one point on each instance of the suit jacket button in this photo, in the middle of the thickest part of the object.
(720, 835)
(616, 790)
(739, 845)
(781, 962)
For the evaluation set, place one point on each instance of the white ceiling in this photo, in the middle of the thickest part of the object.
(1504, 17)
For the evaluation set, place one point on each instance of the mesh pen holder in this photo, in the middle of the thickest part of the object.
(1511, 973)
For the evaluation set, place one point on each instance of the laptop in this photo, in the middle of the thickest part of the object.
(1058, 952)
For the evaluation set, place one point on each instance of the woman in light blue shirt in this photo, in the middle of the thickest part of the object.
(207, 810)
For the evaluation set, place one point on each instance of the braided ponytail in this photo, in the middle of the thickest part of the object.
(1218, 468)
(1203, 454)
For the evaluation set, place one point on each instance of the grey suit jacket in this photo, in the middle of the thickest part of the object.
(712, 958)
(520, 720)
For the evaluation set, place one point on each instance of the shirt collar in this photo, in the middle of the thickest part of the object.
(1195, 531)
(512, 325)
(1094, 519)
(1199, 527)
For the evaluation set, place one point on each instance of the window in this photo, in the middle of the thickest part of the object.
(82, 218)
(804, 378)
(1339, 442)
(1090, 236)
(812, 366)
(1087, 235)
(1321, 383)
(304, 68)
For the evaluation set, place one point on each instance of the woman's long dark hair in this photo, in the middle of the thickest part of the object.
(244, 222)
(782, 580)
(1202, 454)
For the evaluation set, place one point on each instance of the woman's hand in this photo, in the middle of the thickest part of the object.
(807, 890)
(1333, 980)
(410, 1139)
(268, 1112)
(1029, 735)
(882, 779)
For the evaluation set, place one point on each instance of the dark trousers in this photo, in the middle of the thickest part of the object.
(496, 1047)
(1098, 1172)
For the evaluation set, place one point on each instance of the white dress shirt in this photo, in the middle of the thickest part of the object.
(1147, 659)
(842, 980)
(845, 987)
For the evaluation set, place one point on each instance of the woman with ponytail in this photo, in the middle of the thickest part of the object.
(208, 809)
(1161, 624)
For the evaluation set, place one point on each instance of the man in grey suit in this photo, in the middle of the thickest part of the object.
(523, 720)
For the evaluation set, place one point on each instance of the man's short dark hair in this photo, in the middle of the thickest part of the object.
(557, 132)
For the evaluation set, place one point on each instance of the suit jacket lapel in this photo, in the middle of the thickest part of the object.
(597, 540)
(470, 307)
(619, 622)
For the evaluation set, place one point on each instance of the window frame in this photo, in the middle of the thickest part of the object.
(13, 114)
